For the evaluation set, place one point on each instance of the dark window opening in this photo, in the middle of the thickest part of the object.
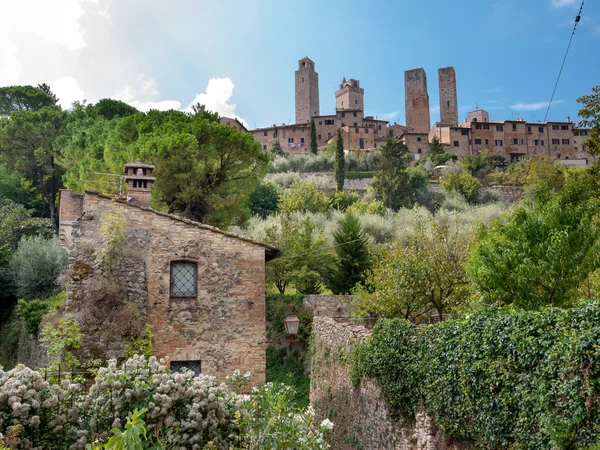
(361, 143)
(180, 366)
(456, 143)
(184, 279)
(418, 139)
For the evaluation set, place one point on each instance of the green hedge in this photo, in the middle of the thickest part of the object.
(500, 379)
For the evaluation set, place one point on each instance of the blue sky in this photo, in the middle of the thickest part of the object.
(239, 57)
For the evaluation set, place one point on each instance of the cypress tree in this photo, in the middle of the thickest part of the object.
(313, 137)
(339, 171)
(352, 249)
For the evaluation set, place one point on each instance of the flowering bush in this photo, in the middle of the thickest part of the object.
(180, 411)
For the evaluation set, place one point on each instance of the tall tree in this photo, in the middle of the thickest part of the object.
(438, 154)
(543, 250)
(339, 168)
(426, 272)
(590, 114)
(352, 249)
(392, 180)
(27, 145)
(313, 137)
(25, 98)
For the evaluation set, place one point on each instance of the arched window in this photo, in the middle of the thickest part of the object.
(418, 139)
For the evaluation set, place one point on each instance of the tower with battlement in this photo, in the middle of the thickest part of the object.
(416, 101)
(448, 100)
(307, 91)
(350, 96)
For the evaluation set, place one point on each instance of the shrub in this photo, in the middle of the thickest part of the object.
(36, 265)
(284, 179)
(263, 201)
(500, 379)
(304, 197)
(341, 200)
(462, 182)
(33, 312)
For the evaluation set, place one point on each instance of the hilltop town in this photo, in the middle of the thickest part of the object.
(514, 139)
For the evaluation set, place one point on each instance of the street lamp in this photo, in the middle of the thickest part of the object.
(291, 324)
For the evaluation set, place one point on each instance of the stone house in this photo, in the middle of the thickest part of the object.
(200, 291)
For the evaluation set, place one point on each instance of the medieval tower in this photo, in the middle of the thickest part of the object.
(350, 96)
(307, 91)
(448, 101)
(416, 101)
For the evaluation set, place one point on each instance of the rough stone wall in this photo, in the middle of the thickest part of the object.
(223, 327)
(307, 91)
(448, 99)
(328, 305)
(416, 101)
(360, 415)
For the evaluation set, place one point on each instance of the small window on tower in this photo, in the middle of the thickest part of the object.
(448, 103)
(303, 79)
(356, 102)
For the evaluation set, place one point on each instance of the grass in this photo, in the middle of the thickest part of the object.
(286, 365)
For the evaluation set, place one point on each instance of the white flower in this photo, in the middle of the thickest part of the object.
(327, 424)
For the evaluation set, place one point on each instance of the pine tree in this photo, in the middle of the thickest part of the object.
(339, 167)
(313, 137)
(352, 249)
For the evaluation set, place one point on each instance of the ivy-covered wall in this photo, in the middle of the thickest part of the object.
(361, 416)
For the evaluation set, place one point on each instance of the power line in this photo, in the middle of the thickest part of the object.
(577, 19)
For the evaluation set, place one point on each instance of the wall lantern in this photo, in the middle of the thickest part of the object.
(291, 325)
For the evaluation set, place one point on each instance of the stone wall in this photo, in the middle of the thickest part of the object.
(328, 305)
(223, 326)
(360, 415)
(416, 101)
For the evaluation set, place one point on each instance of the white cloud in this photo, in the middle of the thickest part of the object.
(67, 90)
(561, 3)
(218, 94)
(55, 22)
(532, 106)
(163, 105)
(145, 86)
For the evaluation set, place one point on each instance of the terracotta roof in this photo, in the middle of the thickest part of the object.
(270, 251)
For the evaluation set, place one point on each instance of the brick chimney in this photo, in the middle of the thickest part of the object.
(139, 179)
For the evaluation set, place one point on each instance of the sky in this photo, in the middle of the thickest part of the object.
(239, 57)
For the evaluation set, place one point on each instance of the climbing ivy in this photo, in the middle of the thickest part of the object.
(499, 379)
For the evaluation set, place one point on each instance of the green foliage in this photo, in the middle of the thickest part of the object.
(276, 150)
(36, 265)
(462, 182)
(541, 251)
(131, 438)
(289, 428)
(500, 379)
(438, 154)
(339, 168)
(141, 345)
(113, 230)
(393, 183)
(324, 162)
(109, 108)
(302, 196)
(27, 145)
(278, 307)
(287, 366)
(263, 201)
(426, 272)
(305, 261)
(204, 170)
(313, 138)
(352, 249)
(373, 207)
(33, 312)
(18, 189)
(62, 340)
(482, 163)
(590, 114)
(540, 171)
(25, 98)
(10, 327)
(16, 222)
(341, 200)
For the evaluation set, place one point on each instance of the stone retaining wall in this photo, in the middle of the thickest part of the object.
(360, 415)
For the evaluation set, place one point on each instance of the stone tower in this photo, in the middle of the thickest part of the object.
(350, 96)
(416, 101)
(448, 101)
(307, 91)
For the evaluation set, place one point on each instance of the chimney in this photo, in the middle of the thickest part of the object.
(139, 179)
